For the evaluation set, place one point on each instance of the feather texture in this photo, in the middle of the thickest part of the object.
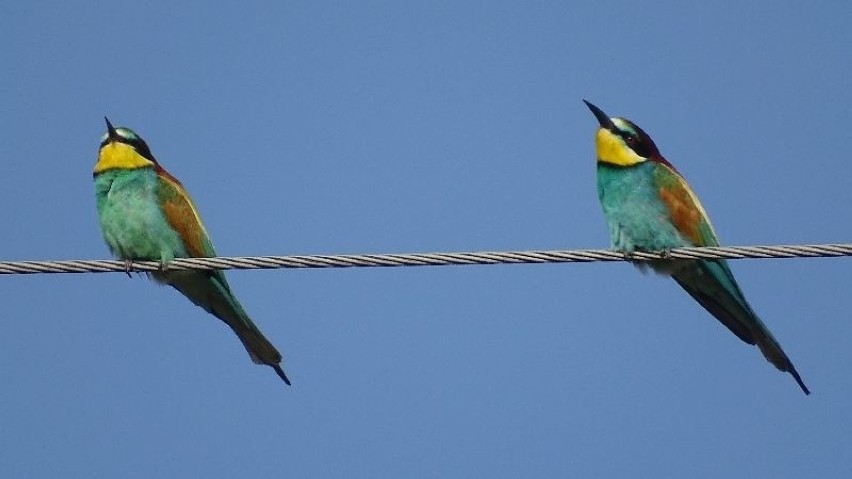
(146, 214)
(649, 206)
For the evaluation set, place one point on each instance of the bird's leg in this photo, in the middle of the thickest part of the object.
(164, 266)
(666, 254)
(166, 257)
(127, 269)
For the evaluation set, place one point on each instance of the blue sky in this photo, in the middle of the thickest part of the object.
(323, 128)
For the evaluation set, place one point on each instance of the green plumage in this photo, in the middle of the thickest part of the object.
(637, 219)
(145, 214)
(132, 221)
(649, 207)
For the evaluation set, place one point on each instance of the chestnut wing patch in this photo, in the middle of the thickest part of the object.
(685, 211)
(182, 216)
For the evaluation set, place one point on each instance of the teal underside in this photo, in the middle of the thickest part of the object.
(636, 217)
(638, 220)
(133, 224)
(135, 227)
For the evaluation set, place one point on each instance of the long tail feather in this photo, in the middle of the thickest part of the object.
(280, 373)
(211, 292)
(712, 285)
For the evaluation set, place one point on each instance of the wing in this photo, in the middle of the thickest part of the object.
(710, 282)
(685, 211)
(209, 290)
(712, 285)
(182, 215)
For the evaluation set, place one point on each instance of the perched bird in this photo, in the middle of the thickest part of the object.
(146, 214)
(650, 207)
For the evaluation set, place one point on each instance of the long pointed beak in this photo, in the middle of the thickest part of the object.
(111, 130)
(603, 119)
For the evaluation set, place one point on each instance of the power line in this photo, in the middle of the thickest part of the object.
(426, 259)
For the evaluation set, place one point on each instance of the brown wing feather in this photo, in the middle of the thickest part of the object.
(182, 215)
(685, 211)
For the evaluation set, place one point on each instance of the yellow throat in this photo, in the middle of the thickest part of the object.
(118, 155)
(612, 150)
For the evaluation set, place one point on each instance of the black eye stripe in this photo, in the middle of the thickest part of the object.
(634, 138)
(136, 143)
(121, 139)
(635, 143)
(625, 135)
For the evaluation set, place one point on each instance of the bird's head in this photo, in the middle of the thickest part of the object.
(123, 149)
(620, 142)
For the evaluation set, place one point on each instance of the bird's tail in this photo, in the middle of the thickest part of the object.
(774, 354)
(711, 283)
(211, 292)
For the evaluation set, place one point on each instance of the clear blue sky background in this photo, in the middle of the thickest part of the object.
(374, 127)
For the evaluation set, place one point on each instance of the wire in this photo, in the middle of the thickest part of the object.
(425, 259)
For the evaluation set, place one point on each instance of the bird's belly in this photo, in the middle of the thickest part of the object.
(629, 235)
(636, 217)
(134, 228)
(643, 231)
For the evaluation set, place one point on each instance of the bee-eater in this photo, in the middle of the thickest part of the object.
(146, 214)
(650, 207)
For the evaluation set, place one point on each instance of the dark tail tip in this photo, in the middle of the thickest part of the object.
(798, 379)
(283, 376)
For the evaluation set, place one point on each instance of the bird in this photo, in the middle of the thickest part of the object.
(649, 206)
(145, 213)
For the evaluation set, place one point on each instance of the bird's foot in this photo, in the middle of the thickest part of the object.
(164, 266)
(666, 254)
(128, 267)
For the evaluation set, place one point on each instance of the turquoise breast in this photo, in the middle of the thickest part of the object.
(133, 224)
(637, 218)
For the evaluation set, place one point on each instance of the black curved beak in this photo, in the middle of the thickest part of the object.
(602, 117)
(111, 130)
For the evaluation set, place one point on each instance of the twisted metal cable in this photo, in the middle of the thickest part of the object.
(425, 259)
